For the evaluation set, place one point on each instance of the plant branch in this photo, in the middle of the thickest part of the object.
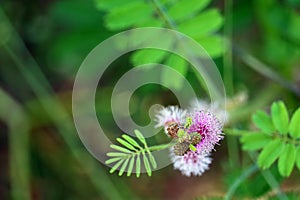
(162, 13)
(265, 70)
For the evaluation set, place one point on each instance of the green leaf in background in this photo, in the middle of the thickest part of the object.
(204, 24)
(188, 17)
(178, 64)
(270, 153)
(287, 160)
(128, 15)
(280, 117)
(298, 157)
(145, 56)
(294, 127)
(255, 141)
(193, 6)
(214, 44)
(263, 121)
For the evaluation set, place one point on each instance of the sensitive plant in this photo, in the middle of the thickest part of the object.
(195, 134)
(193, 138)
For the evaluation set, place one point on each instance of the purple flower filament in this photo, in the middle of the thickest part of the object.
(210, 129)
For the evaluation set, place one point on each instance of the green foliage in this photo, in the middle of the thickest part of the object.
(278, 138)
(294, 127)
(279, 23)
(188, 17)
(253, 185)
(129, 155)
(255, 141)
(280, 117)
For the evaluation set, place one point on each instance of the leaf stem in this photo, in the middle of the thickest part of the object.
(161, 146)
(161, 11)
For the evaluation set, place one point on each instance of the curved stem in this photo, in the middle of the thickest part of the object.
(248, 172)
(161, 146)
(265, 70)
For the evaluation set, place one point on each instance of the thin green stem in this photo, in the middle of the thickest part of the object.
(246, 173)
(236, 132)
(161, 147)
(271, 180)
(162, 13)
(17, 122)
(265, 70)
(227, 59)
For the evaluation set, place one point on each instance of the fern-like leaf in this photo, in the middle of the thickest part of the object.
(128, 156)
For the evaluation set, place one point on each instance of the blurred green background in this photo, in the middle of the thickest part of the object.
(255, 44)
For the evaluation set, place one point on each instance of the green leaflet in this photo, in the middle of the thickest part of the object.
(213, 44)
(264, 122)
(204, 24)
(152, 160)
(115, 167)
(130, 167)
(112, 160)
(298, 157)
(280, 117)
(116, 154)
(146, 56)
(294, 127)
(255, 141)
(178, 64)
(147, 165)
(138, 166)
(123, 167)
(128, 15)
(287, 160)
(118, 148)
(131, 140)
(126, 144)
(140, 136)
(270, 153)
(192, 6)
